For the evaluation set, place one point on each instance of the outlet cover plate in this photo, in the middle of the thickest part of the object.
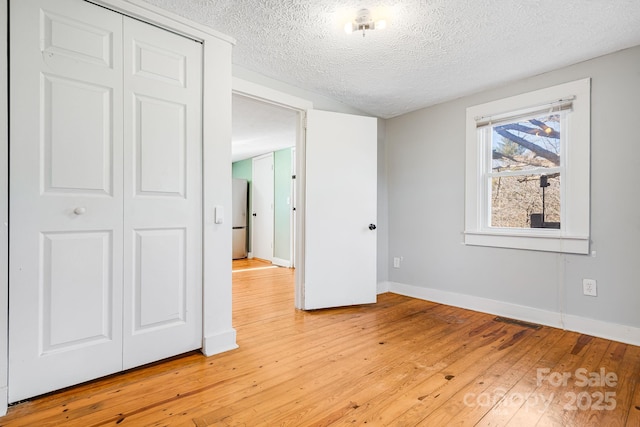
(589, 287)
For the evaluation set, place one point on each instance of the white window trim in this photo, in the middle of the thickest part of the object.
(573, 237)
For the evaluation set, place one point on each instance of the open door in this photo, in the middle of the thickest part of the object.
(340, 211)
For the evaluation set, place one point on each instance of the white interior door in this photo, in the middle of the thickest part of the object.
(340, 210)
(163, 193)
(66, 195)
(105, 203)
(262, 193)
(292, 206)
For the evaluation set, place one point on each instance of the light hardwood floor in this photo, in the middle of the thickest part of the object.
(400, 362)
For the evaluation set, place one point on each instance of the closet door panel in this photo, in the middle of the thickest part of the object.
(76, 297)
(160, 282)
(77, 119)
(65, 272)
(163, 194)
(160, 148)
(106, 195)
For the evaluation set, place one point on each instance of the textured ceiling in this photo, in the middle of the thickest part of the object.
(260, 128)
(431, 51)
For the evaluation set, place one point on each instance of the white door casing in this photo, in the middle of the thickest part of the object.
(262, 217)
(340, 210)
(4, 206)
(67, 199)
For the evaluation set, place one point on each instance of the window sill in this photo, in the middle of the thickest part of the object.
(528, 241)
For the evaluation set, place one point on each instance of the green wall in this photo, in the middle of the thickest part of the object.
(281, 193)
(242, 169)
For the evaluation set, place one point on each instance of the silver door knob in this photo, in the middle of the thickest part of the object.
(79, 210)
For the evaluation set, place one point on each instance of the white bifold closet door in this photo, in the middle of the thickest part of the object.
(105, 194)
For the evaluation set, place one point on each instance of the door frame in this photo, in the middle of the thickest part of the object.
(281, 99)
(4, 208)
(217, 330)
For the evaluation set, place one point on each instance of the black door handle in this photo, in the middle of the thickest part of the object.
(254, 214)
(372, 226)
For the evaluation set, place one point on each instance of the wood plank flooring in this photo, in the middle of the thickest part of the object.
(400, 362)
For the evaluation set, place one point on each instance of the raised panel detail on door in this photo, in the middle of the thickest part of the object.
(160, 147)
(66, 204)
(76, 309)
(163, 194)
(340, 205)
(77, 140)
(77, 40)
(153, 62)
(105, 183)
(160, 291)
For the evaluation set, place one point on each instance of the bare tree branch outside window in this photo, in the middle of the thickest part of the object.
(519, 147)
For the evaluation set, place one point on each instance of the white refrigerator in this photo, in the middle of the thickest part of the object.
(239, 219)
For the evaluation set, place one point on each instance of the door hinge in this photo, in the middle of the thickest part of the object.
(293, 177)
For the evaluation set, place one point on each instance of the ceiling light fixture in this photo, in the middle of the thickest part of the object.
(364, 22)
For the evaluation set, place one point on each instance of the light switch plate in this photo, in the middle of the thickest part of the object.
(219, 215)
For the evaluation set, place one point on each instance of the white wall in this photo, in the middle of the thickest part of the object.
(426, 170)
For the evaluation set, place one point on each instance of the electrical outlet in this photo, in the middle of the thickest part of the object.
(396, 262)
(590, 287)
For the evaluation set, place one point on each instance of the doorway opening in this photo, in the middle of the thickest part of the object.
(265, 134)
(329, 147)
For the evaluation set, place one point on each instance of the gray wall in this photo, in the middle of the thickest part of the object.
(383, 211)
(426, 170)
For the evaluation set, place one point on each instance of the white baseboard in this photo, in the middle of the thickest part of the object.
(281, 262)
(382, 287)
(4, 399)
(219, 343)
(584, 325)
(612, 331)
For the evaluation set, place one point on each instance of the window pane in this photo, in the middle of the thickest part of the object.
(526, 144)
(517, 201)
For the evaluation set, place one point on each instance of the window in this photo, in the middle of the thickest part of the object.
(525, 170)
(527, 184)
